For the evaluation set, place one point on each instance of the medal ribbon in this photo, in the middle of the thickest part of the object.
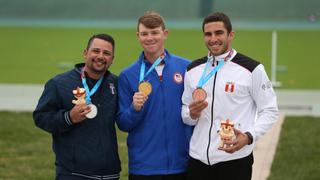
(154, 65)
(86, 87)
(205, 78)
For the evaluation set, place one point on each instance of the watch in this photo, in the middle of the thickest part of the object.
(250, 137)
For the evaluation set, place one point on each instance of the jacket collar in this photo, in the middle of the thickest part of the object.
(165, 60)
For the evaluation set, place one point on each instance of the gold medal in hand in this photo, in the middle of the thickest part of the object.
(145, 88)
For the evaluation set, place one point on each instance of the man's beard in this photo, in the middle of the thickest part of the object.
(98, 70)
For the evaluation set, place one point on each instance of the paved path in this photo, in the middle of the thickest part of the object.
(299, 102)
(264, 151)
(22, 97)
(19, 97)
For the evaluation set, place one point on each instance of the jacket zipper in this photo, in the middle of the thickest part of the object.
(211, 124)
(164, 118)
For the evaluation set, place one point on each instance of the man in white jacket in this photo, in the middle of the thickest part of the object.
(225, 85)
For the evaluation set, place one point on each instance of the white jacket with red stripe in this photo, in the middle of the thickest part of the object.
(239, 91)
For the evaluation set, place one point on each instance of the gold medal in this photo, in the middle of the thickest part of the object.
(145, 88)
(199, 94)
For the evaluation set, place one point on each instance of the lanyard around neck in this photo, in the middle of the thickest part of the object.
(205, 78)
(86, 87)
(143, 66)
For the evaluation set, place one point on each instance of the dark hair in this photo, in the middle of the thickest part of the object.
(217, 17)
(151, 20)
(105, 37)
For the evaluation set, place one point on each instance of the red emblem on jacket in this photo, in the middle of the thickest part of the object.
(229, 87)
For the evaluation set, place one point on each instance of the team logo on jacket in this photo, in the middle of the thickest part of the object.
(177, 77)
(229, 88)
(112, 88)
(266, 85)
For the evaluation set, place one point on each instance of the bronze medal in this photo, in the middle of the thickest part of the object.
(145, 88)
(199, 94)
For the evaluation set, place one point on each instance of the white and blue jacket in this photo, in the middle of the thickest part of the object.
(158, 140)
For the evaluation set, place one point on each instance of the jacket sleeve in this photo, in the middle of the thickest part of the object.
(266, 101)
(49, 114)
(186, 100)
(127, 117)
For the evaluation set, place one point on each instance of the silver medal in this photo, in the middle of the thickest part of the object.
(93, 113)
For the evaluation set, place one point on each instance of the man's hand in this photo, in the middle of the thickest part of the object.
(196, 108)
(138, 100)
(78, 113)
(234, 145)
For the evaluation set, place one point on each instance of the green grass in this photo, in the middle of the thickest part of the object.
(298, 152)
(26, 153)
(26, 150)
(33, 55)
(123, 153)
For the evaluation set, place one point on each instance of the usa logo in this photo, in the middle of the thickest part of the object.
(112, 88)
(177, 77)
(229, 88)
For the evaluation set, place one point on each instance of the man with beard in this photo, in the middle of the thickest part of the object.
(78, 108)
(226, 89)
